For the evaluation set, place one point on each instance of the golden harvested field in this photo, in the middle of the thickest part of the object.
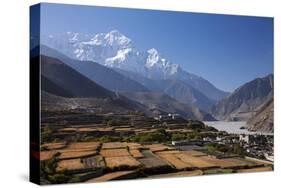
(112, 176)
(115, 162)
(242, 162)
(114, 152)
(136, 153)
(179, 174)
(107, 129)
(168, 152)
(84, 145)
(123, 129)
(225, 163)
(114, 145)
(75, 150)
(153, 162)
(257, 161)
(158, 147)
(259, 169)
(176, 162)
(194, 153)
(72, 164)
(76, 154)
(148, 131)
(134, 145)
(197, 162)
(86, 129)
(68, 129)
(139, 130)
(53, 146)
(46, 155)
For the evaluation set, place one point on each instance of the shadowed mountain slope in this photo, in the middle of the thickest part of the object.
(244, 102)
(156, 101)
(102, 75)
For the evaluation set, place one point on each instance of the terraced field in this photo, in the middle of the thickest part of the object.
(113, 176)
(114, 152)
(176, 162)
(71, 164)
(122, 160)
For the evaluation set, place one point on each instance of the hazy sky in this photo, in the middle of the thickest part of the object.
(226, 50)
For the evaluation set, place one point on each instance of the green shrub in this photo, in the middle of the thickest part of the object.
(58, 178)
(178, 136)
(157, 136)
(46, 134)
(107, 138)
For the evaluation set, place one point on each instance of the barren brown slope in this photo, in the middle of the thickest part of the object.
(243, 103)
(263, 119)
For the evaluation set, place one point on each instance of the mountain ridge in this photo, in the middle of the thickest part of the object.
(263, 119)
(156, 101)
(67, 78)
(77, 91)
(115, 50)
(245, 100)
(176, 89)
(104, 76)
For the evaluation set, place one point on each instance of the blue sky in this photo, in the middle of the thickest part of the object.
(226, 50)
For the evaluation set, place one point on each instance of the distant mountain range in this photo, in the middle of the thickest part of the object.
(106, 69)
(126, 81)
(177, 89)
(115, 50)
(65, 88)
(102, 75)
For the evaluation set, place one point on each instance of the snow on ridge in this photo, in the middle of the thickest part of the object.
(153, 57)
(112, 49)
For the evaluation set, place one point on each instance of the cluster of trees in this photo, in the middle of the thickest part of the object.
(195, 135)
(232, 149)
(178, 136)
(162, 136)
(157, 136)
(199, 126)
(46, 134)
(48, 172)
(107, 138)
(110, 122)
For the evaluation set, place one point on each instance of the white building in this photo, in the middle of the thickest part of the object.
(244, 138)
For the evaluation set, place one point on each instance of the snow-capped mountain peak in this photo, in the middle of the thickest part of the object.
(153, 57)
(112, 49)
(156, 62)
(115, 50)
(114, 38)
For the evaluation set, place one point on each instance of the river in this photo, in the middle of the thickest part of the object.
(232, 127)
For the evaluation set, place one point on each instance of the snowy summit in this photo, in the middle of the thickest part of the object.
(114, 50)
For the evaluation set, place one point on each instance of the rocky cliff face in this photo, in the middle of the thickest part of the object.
(263, 119)
(245, 101)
